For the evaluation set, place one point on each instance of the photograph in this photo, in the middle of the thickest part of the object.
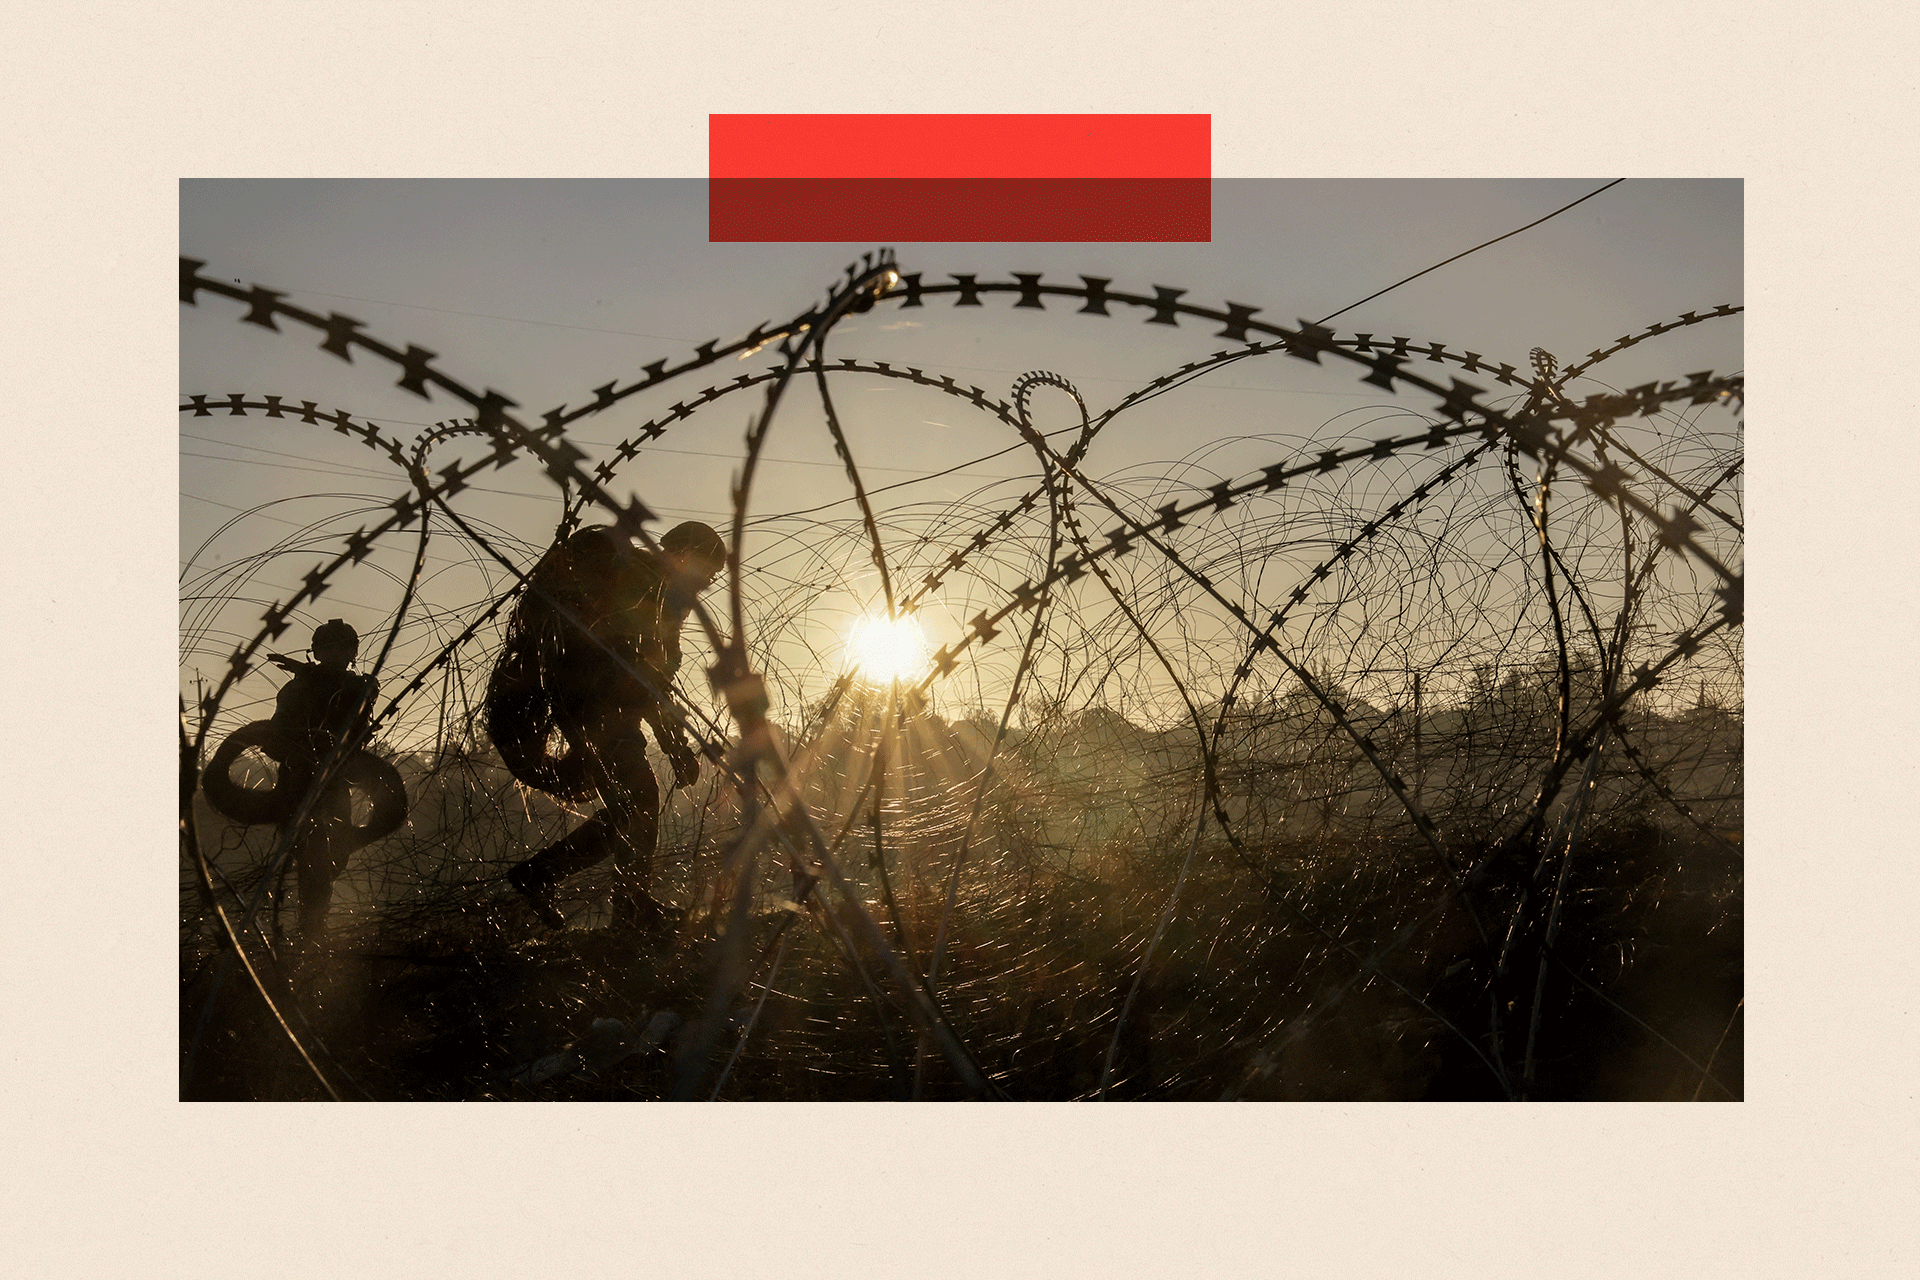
(1300, 662)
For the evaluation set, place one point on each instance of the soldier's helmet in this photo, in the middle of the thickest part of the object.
(696, 543)
(336, 633)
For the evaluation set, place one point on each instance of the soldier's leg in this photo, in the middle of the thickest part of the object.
(585, 845)
(320, 856)
(591, 842)
(634, 811)
(537, 877)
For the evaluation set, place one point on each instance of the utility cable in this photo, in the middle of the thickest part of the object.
(1477, 248)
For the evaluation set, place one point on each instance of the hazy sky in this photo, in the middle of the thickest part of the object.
(546, 289)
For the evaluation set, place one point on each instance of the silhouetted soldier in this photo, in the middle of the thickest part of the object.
(591, 651)
(323, 706)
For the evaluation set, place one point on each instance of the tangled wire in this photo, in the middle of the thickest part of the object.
(1397, 756)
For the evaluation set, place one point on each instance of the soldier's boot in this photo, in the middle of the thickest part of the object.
(637, 911)
(538, 891)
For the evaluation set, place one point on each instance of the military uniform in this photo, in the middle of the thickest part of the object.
(599, 630)
(322, 706)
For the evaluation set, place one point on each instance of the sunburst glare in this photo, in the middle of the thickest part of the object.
(882, 650)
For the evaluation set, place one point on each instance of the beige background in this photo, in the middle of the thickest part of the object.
(107, 1175)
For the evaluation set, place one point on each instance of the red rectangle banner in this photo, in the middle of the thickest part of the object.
(893, 178)
(960, 146)
(895, 210)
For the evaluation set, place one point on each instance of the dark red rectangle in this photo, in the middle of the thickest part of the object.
(897, 210)
(959, 146)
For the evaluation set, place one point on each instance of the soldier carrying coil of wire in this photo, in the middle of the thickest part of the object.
(324, 705)
(320, 720)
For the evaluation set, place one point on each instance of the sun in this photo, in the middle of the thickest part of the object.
(883, 650)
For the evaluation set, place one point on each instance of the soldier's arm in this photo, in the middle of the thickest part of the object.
(666, 729)
(672, 738)
(369, 694)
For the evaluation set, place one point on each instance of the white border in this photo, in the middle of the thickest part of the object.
(1812, 1176)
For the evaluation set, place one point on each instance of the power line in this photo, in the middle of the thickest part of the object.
(375, 473)
(352, 473)
(1477, 248)
(482, 315)
(930, 476)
